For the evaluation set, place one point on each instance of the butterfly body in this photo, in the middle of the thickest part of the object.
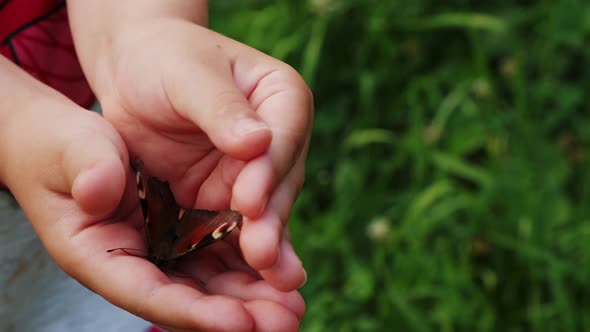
(172, 231)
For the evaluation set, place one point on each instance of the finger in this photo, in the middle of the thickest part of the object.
(274, 258)
(95, 166)
(98, 190)
(265, 250)
(84, 141)
(268, 316)
(246, 287)
(287, 273)
(233, 239)
(253, 187)
(271, 316)
(289, 113)
(201, 313)
(218, 107)
(262, 240)
(196, 176)
(232, 258)
(216, 191)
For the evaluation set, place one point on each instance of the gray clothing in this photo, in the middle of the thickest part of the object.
(36, 295)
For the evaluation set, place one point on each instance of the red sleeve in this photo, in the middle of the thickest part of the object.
(35, 35)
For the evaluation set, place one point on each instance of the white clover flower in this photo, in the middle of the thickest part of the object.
(508, 67)
(378, 229)
(323, 7)
(482, 88)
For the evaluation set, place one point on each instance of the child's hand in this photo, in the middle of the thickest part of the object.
(225, 124)
(69, 170)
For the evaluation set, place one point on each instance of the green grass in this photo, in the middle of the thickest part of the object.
(448, 183)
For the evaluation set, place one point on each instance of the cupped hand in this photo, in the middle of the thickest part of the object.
(226, 125)
(69, 170)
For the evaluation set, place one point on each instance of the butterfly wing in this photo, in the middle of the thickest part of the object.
(172, 231)
(160, 212)
(199, 228)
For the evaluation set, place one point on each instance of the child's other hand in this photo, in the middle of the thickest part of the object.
(224, 123)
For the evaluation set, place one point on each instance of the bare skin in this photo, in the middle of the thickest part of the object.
(226, 125)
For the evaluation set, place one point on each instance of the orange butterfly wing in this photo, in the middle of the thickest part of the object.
(199, 228)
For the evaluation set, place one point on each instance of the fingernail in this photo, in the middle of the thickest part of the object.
(247, 125)
(304, 278)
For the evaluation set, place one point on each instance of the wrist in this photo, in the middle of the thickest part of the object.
(99, 27)
(20, 96)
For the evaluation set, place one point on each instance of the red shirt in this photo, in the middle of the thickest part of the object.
(35, 35)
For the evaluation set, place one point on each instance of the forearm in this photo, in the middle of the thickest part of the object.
(97, 26)
(18, 90)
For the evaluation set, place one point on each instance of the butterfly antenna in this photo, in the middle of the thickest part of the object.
(126, 250)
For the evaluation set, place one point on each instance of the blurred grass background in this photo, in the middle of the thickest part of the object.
(448, 183)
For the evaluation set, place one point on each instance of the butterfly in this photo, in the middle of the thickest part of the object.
(171, 231)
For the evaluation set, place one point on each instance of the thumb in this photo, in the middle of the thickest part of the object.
(209, 98)
(95, 169)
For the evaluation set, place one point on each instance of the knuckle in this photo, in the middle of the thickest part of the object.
(228, 102)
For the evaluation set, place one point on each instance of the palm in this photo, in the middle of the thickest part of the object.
(203, 285)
